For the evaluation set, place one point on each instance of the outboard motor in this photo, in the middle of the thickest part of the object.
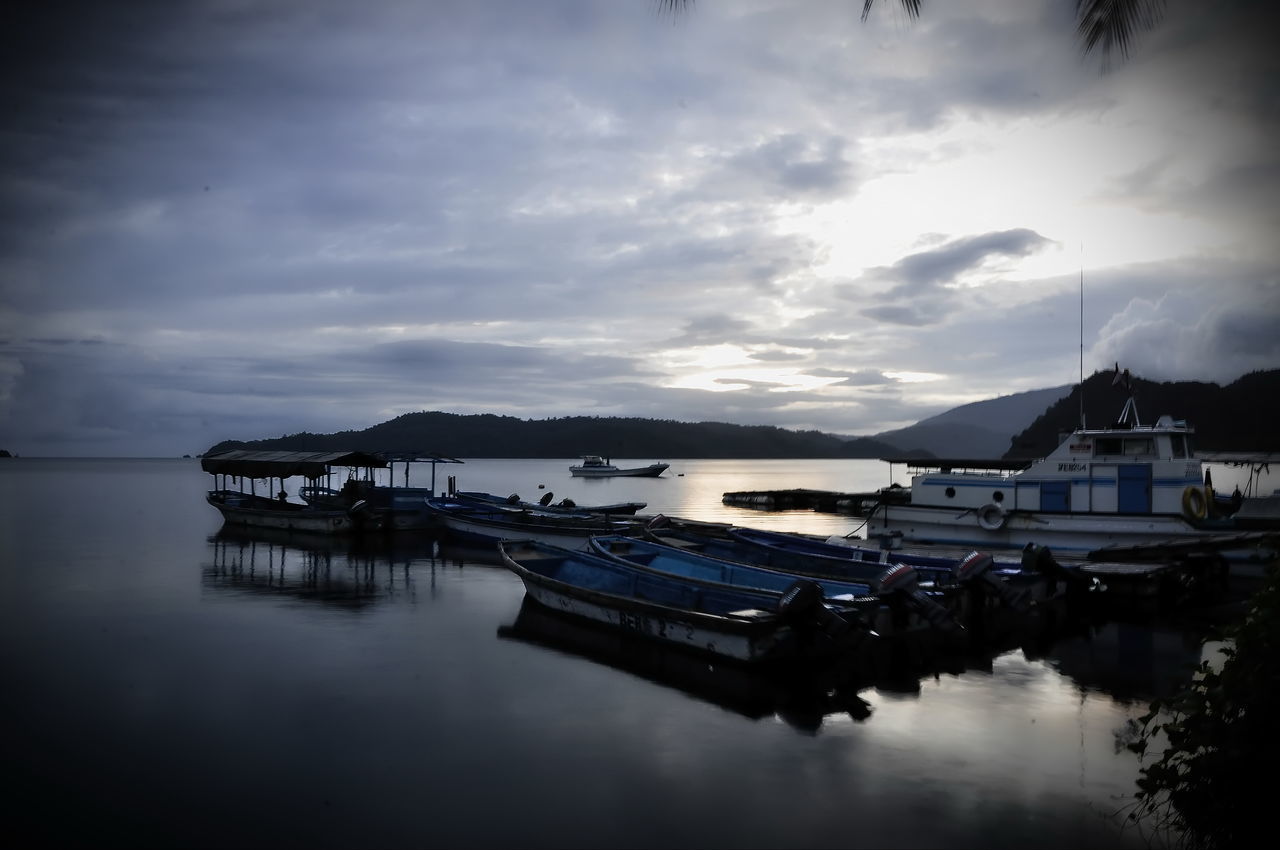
(903, 581)
(803, 602)
(546, 499)
(976, 569)
(513, 499)
(363, 515)
(1039, 559)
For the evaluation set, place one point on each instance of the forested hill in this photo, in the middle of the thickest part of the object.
(1240, 416)
(487, 435)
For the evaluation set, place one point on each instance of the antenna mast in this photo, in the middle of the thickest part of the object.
(1081, 336)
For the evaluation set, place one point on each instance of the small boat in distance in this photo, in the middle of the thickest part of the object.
(595, 466)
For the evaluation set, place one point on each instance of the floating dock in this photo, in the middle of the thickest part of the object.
(800, 499)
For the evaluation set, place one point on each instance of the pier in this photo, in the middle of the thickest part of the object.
(801, 499)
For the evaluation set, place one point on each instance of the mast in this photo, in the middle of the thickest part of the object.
(1081, 336)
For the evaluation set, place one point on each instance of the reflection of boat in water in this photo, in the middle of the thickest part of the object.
(801, 699)
(347, 572)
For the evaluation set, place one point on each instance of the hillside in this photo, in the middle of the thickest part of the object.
(983, 429)
(486, 435)
(1238, 417)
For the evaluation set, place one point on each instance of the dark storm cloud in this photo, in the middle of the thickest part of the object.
(921, 287)
(924, 273)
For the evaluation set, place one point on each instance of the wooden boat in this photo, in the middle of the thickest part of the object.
(1035, 575)
(276, 511)
(594, 466)
(471, 523)
(1016, 585)
(896, 587)
(547, 503)
(748, 626)
(399, 506)
(1122, 486)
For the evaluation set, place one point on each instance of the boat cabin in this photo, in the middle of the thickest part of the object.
(1122, 469)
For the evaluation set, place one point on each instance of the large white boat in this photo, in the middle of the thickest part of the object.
(1128, 485)
(595, 466)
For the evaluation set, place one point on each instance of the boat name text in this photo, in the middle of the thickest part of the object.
(1072, 467)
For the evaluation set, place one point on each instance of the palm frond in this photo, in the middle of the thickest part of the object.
(1114, 24)
(911, 7)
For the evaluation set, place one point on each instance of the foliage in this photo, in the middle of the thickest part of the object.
(487, 435)
(1211, 784)
(1237, 417)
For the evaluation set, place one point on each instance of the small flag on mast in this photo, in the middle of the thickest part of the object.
(1122, 380)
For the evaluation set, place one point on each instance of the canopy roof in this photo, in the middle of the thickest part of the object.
(286, 464)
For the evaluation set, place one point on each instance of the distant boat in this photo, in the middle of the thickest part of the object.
(595, 466)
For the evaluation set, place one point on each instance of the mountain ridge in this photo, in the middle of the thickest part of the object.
(1234, 417)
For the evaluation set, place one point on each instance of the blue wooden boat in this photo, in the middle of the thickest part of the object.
(547, 503)
(1010, 584)
(1035, 576)
(894, 589)
(475, 524)
(742, 624)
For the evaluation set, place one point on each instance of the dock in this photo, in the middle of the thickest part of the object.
(800, 499)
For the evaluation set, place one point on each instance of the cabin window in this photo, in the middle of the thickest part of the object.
(1134, 446)
(1107, 446)
(1179, 445)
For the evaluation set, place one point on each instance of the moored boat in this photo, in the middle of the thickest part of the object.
(883, 600)
(548, 503)
(595, 466)
(1124, 486)
(743, 625)
(255, 510)
(477, 524)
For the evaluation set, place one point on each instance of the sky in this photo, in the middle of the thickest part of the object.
(238, 219)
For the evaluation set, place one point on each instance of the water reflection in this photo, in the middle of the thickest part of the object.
(344, 572)
(801, 698)
(1129, 662)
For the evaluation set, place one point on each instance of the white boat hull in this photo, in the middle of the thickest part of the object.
(309, 521)
(1065, 534)
(651, 471)
(668, 627)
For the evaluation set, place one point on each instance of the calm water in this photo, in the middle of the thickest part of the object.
(167, 685)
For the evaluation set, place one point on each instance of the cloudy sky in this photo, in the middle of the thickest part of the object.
(233, 219)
